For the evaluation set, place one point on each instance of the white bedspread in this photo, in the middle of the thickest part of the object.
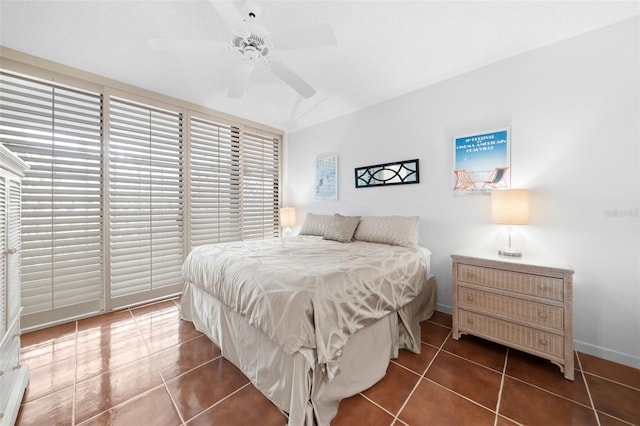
(306, 292)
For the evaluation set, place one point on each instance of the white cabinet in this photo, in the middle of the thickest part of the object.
(13, 376)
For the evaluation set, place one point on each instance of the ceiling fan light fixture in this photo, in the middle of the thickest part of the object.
(251, 47)
(250, 53)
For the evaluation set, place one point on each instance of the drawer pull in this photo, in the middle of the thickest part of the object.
(542, 314)
(543, 342)
(469, 298)
(542, 287)
(469, 320)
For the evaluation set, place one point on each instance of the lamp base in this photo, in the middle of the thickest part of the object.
(509, 253)
(510, 243)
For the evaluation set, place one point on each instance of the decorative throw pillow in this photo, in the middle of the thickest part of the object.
(393, 230)
(342, 228)
(316, 224)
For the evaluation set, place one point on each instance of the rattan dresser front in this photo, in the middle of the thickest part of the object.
(518, 302)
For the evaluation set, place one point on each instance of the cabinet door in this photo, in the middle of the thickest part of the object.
(12, 249)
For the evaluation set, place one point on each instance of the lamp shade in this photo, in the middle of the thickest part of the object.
(510, 206)
(287, 217)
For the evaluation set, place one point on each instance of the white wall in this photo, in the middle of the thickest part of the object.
(573, 110)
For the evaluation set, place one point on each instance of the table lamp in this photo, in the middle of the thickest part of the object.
(287, 219)
(510, 207)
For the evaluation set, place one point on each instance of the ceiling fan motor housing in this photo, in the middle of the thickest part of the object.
(251, 47)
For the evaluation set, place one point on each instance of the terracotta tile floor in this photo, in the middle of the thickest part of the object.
(144, 366)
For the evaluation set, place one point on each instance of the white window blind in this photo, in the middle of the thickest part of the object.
(57, 131)
(215, 182)
(260, 185)
(145, 184)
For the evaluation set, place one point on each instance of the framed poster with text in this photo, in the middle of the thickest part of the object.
(326, 178)
(481, 162)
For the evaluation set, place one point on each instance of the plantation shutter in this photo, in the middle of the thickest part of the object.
(13, 243)
(260, 185)
(102, 224)
(4, 318)
(145, 188)
(215, 182)
(57, 131)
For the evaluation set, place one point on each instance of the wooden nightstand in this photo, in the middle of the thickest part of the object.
(524, 303)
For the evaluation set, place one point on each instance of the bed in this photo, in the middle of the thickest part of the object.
(314, 318)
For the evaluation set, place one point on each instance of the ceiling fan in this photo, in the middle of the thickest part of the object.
(254, 44)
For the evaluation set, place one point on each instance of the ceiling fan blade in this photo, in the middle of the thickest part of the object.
(229, 15)
(186, 45)
(239, 79)
(322, 35)
(287, 75)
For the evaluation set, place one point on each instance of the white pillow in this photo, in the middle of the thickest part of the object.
(393, 230)
(316, 224)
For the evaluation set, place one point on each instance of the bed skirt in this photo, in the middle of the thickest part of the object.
(294, 382)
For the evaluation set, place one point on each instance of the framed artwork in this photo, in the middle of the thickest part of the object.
(326, 178)
(396, 173)
(481, 162)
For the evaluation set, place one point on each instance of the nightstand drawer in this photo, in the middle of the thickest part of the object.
(512, 334)
(511, 307)
(534, 285)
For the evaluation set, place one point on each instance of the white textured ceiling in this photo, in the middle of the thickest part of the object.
(385, 48)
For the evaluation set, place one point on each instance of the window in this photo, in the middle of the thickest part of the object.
(57, 131)
(145, 190)
(215, 182)
(260, 186)
(119, 189)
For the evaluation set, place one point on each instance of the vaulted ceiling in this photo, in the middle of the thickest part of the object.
(384, 48)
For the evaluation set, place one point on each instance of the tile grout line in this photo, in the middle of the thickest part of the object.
(486, 367)
(422, 376)
(586, 385)
(566, 398)
(153, 363)
(441, 349)
(221, 400)
(120, 404)
(75, 376)
(460, 395)
(376, 404)
(611, 381)
(150, 356)
(504, 372)
(173, 402)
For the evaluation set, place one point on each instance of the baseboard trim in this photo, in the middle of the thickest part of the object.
(443, 308)
(608, 354)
